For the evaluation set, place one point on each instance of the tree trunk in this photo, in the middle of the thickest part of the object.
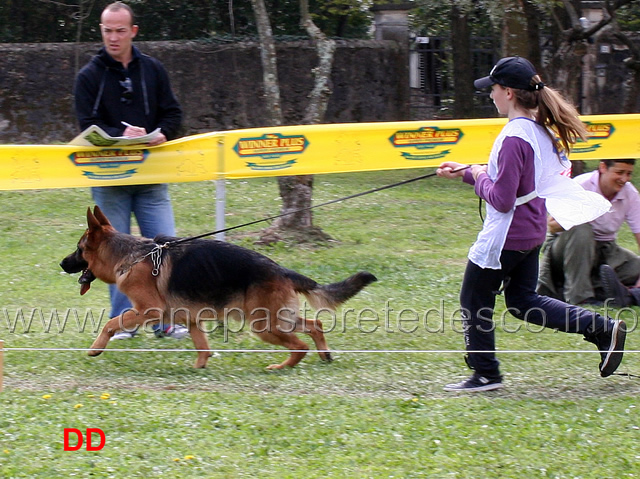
(532, 16)
(296, 191)
(633, 63)
(84, 10)
(319, 97)
(565, 71)
(461, 51)
(515, 40)
(269, 60)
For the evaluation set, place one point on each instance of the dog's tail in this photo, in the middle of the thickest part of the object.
(330, 296)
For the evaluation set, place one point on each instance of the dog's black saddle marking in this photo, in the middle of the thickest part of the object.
(213, 272)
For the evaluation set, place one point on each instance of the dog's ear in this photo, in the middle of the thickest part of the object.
(99, 215)
(92, 222)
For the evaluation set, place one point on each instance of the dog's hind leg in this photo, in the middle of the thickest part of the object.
(298, 349)
(273, 310)
(288, 340)
(313, 327)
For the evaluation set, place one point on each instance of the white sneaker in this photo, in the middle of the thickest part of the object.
(177, 331)
(123, 335)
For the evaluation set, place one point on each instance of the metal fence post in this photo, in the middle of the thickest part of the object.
(220, 191)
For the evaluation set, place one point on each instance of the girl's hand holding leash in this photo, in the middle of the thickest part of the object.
(477, 169)
(451, 169)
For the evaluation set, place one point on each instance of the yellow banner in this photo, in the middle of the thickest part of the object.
(290, 150)
(191, 158)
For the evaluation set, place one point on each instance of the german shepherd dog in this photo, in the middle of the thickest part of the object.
(195, 280)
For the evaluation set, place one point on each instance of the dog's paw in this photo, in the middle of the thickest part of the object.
(326, 356)
(271, 367)
(95, 352)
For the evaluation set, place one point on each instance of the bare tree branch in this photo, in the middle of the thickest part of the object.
(578, 32)
(319, 97)
(62, 4)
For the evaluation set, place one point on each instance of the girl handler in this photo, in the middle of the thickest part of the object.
(523, 179)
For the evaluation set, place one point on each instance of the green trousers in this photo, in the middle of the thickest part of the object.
(570, 265)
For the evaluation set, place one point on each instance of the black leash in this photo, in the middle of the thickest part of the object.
(156, 252)
(356, 195)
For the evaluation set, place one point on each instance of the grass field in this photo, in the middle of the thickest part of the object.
(377, 411)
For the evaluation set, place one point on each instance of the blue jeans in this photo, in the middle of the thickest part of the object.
(519, 274)
(151, 206)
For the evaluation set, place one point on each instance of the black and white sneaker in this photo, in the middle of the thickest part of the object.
(476, 383)
(611, 346)
(610, 343)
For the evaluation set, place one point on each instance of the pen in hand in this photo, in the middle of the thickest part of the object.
(135, 130)
(160, 138)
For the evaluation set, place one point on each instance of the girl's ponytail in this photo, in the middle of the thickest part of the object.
(555, 112)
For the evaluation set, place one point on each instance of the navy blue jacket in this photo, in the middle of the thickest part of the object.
(102, 98)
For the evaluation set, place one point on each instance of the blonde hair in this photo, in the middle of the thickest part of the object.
(553, 112)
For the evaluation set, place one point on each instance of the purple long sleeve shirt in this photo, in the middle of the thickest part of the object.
(516, 177)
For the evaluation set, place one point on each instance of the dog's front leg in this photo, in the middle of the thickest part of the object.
(126, 321)
(201, 344)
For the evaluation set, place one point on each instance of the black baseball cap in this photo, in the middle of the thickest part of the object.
(512, 72)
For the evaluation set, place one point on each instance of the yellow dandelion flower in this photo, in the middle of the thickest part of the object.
(6, 451)
(177, 459)
(78, 406)
(188, 458)
(91, 395)
(46, 396)
(105, 396)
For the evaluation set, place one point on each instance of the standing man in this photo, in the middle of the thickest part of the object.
(583, 265)
(127, 93)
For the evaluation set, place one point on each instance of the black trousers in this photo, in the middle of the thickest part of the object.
(519, 275)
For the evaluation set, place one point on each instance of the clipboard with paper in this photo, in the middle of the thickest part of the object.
(96, 136)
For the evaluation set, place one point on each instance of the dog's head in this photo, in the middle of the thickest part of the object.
(82, 258)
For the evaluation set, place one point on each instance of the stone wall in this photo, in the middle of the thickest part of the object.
(218, 86)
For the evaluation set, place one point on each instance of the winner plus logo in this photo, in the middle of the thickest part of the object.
(271, 151)
(426, 143)
(111, 164)
(597, 135)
